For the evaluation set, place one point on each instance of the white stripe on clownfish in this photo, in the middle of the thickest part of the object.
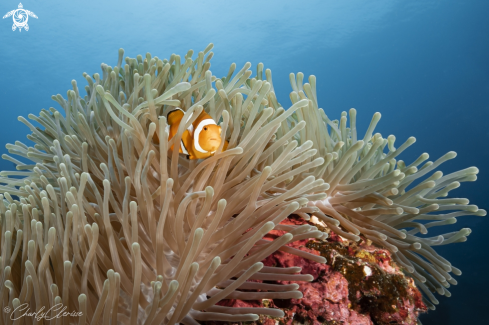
(182, 146)
(198, 129)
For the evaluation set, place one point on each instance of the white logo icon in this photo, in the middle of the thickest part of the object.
(20, 17)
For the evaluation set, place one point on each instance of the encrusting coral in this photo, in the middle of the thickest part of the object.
(359, 285)
(104, 219)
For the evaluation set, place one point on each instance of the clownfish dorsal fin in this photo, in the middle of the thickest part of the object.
(176, 115)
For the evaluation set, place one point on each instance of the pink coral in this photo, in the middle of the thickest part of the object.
(339, 293)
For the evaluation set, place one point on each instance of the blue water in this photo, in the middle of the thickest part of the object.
(422, 64)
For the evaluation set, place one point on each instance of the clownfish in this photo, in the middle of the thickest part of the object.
(202, 137)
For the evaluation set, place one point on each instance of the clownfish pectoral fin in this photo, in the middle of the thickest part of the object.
(225, 145)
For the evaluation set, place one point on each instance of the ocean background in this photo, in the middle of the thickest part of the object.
(423, 64)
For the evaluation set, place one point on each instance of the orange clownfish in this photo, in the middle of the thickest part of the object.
(201, 139)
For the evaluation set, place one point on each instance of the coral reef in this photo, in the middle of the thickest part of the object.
(103, 217)
(359, 285)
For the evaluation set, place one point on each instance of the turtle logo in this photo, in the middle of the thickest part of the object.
(20, 17)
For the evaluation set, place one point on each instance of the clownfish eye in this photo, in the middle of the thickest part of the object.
(205, 128)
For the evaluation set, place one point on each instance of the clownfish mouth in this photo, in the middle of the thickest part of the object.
(213, 139)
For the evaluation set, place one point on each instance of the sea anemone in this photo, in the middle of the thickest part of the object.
(102, 218)
(111, 224)
(374, 195)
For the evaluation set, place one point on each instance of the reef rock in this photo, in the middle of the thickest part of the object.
(359, 285)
